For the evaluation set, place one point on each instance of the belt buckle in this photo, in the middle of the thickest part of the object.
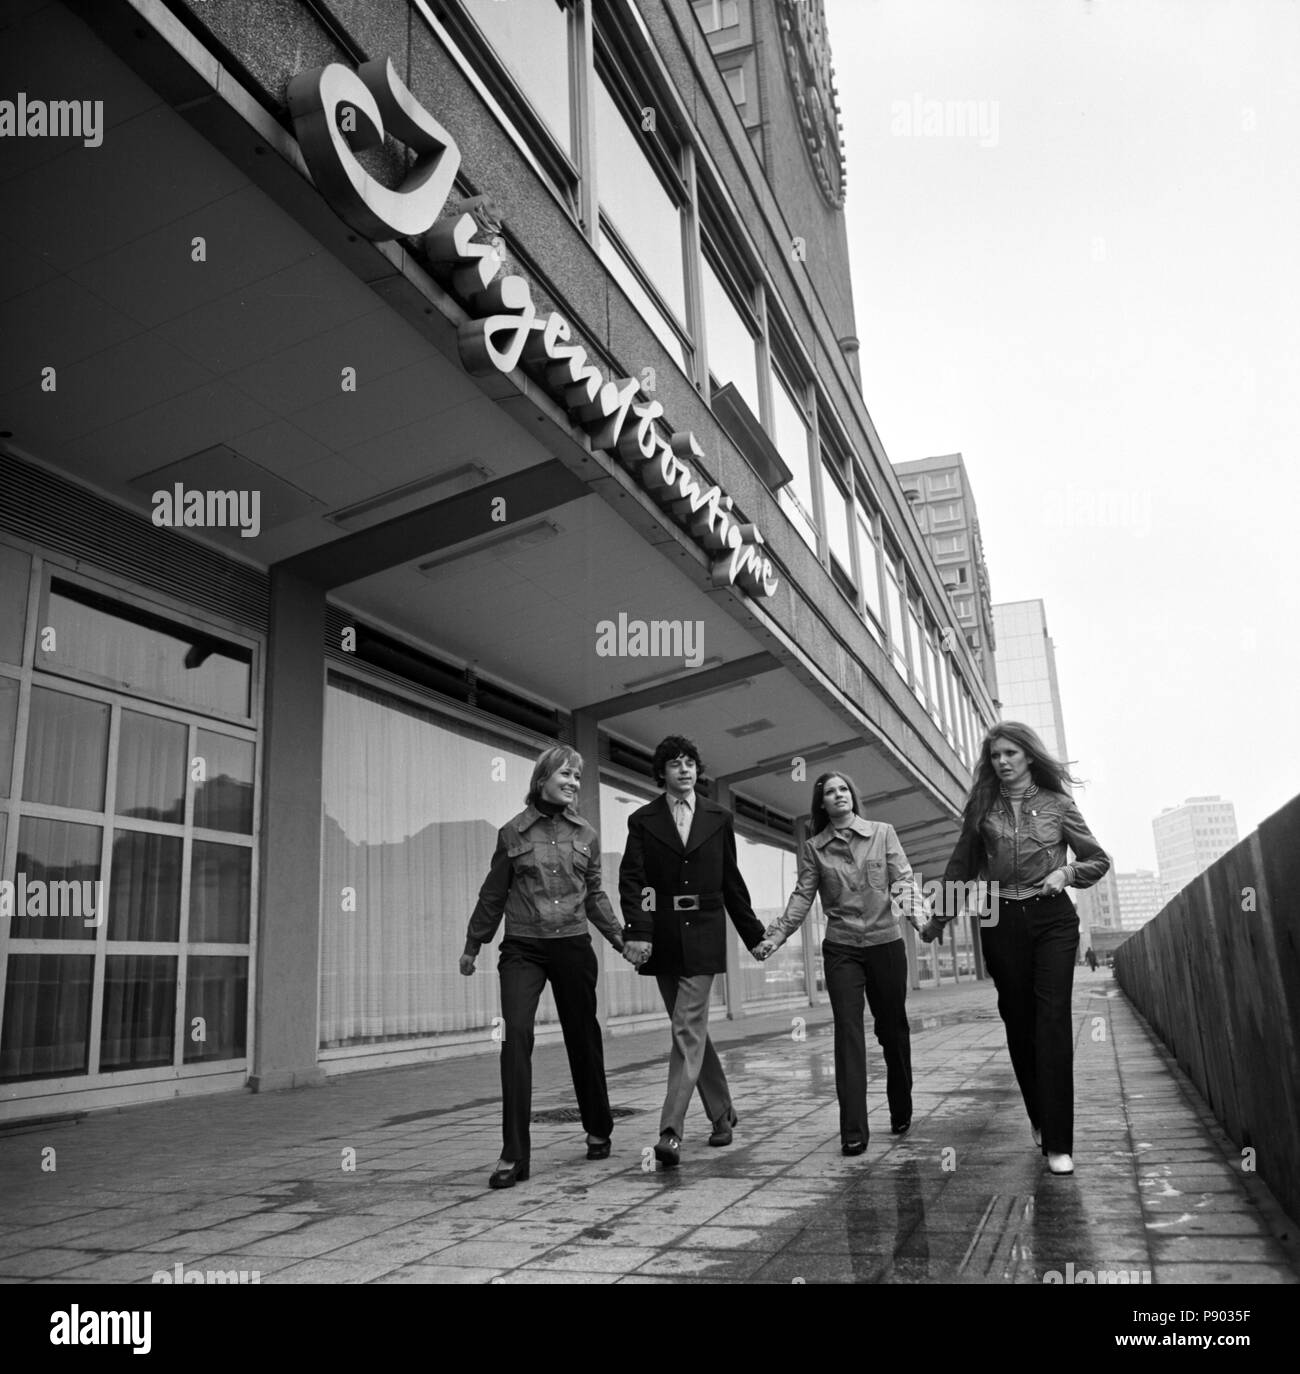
(690, 902)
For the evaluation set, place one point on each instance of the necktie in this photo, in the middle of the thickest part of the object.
(683, 812)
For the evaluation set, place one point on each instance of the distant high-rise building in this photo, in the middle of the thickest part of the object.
(1139, 898)
(1189, 838)
(939, 492)
(1026, 669)
(1099, 904)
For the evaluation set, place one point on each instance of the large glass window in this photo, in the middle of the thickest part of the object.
(85, 634)
(770, 873)
(641, 210)
(894, 605)
(792, 436)
(9, 689)
(15, 571)
(627, 992)
(835, 505)
(918, 659)
(412, 808)
(532, 41)
(733, 354)
(869, 569)
(121, 864)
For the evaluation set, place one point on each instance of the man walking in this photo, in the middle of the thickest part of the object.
(679, 874)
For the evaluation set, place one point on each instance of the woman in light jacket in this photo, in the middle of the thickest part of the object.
(1016, 826)
(545, 879)
(857, 867)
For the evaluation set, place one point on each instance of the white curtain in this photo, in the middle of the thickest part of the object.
(412, 805)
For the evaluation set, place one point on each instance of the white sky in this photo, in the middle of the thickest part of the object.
(1101, 311)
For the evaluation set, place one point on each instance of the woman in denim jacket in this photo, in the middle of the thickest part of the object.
(545, 879)
(1016, 826)
(858, 869)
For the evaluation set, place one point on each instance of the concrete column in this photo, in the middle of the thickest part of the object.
(285, 1036)
(586, 740)
(735, 998)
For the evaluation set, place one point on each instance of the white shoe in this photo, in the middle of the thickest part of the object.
(1038, 1136)
(1060, 1164)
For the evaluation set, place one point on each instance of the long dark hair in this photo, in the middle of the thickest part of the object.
(820, 820)
(1047, 773)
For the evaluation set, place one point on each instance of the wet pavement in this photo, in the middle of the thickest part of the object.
(263, 1184)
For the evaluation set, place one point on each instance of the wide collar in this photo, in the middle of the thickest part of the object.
(531, 814)
(859, 827)
(705, 820)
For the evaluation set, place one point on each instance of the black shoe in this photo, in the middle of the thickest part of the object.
(902, 1129)
(722, 1127)
(598, 1149)
(669, 1150)
(510, 1175)
(853, 1147)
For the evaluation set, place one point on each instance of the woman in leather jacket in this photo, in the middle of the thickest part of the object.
(858, 869)
(545, 879)
(1016, 827)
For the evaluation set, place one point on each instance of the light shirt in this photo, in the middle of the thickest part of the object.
(683, 809)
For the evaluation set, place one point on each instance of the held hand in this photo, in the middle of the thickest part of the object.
(931, 931)
(636, 952)
(764, 949)
(467, 964)
(1053, 884)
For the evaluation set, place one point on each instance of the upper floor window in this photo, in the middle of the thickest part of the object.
(949, 544)
(735, 79)
(947, 512)
(869, 566)
(716, 14)
(641, 195)
(940, 482)
(793, 438)
(730, 331)
(836, 505)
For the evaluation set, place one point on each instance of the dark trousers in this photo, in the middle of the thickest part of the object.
(878, 972)
(570, 965)
(1030, 952)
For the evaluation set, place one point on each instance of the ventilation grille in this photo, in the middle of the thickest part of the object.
(66, 518)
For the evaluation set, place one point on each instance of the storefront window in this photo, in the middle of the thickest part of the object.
(627, 991)
(769, 872)
(67, 748)
(151, 768)
(86, 635)
(144, 900)
(412, 807)
(733, 356)
(223, 797)
(216, 989)
(46, 1031)
(9, 688)
(15, 571)
(55, 852)
(532, 41)
(139, 1018)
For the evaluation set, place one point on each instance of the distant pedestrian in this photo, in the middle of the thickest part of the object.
(858, 869)
(1092, 959)
(1017, 823)
(545, 879)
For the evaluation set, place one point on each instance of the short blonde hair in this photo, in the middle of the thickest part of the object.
(549, 762)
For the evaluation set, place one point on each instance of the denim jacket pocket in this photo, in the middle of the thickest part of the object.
(581, 856)
(876, 874)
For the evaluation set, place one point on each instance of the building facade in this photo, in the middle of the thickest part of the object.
(1026, 673)
(1139, 898)
(397, 389)
(1099, 904)
(1189, 838)
(939, 492)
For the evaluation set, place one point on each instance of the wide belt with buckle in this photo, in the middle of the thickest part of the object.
(691, 902)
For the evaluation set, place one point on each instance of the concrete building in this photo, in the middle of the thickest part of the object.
(395, 390)
(939, 492)
(1189, 838)
(1139, 898)
(1099, 904)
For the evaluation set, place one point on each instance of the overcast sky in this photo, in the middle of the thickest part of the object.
(1094, 296)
